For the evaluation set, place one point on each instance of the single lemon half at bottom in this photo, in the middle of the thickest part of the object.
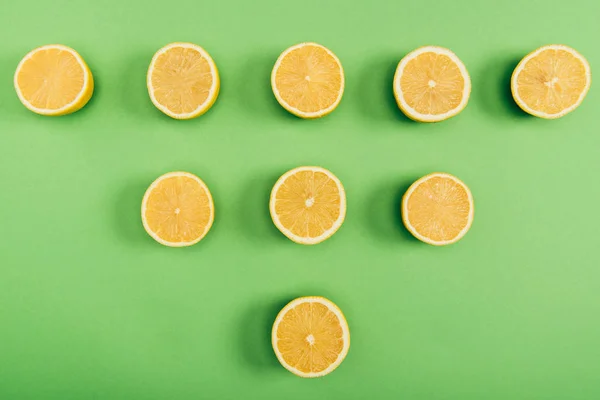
(310, 337)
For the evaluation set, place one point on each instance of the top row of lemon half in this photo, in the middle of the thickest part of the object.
(431, 83)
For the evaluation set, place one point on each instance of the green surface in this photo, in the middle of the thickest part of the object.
(92, 308)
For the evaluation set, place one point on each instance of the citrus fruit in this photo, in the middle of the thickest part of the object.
(308, 204)
(177, 209)
(53, 80)
(183, 81)
(551, 81)
(310, 337)
(438, 209)
(308, 80)
(431, 84)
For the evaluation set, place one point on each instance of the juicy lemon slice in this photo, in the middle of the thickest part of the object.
(53, 80)
(310, 337)
(183, 81)
(177, 209)
(551, 81)
(308, 80)
(431, 84)
(308, 204)
(438, 209)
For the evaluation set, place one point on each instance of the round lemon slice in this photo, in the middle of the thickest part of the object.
(177, 209)
(431, 84)
(310, 337)
(438, 209)
(308, 204)
(183, 81)
(551, 81)
(53, 80)
(308, 80)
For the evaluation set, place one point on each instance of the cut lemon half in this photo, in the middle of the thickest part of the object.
(53, 80)
(431, 84)
(438, 209)
(308, 80)
(183, 81)
(308, 204)
(177, 209)
(310, 337)
(551, 81)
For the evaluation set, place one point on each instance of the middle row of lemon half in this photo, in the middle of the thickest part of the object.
(308, 205)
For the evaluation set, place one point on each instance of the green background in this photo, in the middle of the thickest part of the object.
(92, 308)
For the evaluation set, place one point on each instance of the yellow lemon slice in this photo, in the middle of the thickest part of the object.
(308, 204)
(438, 209)
(183, 81)
(551, 81)
(177, 209)
(53, 80)
(431, 84)
(308, 80)
(310, 337)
